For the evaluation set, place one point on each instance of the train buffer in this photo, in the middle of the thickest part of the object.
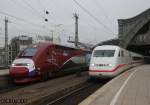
(130, 88)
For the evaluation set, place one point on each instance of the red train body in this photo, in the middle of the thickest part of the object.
(40, 61)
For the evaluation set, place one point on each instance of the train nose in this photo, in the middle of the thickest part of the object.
(18, 71)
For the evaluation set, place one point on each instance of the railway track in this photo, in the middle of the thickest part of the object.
(54, 91)
(76, 96)
(37, 92)
(12, 86)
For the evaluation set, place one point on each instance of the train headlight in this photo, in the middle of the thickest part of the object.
(30, 65)
(92, 64)
(109, 64)
(13, 64)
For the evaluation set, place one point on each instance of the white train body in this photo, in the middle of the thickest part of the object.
(110, 60)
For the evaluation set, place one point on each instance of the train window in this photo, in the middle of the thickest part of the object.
(119, 55)
(66, 53)
(136, 58)
(59, 51)
(103, 53)
(129, 54)
(47, 52)
(28, 52)
(122, 53)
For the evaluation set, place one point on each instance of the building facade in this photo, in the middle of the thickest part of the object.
(2, 57)
(17, 44)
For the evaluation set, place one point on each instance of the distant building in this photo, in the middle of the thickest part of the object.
(17, 44)
(21, 42)
(2, 57)
(40, 38)
(108, 42)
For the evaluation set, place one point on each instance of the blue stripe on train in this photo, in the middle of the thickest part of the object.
(32, 73)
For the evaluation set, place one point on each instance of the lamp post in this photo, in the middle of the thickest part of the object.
(55, 30)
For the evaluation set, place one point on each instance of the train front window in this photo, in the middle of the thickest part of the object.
(28, 52)
(103, 53)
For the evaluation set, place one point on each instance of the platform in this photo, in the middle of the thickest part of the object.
(4, 72)
(130, 88)
(4, 78)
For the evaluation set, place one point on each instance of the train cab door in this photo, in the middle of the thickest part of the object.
(119, 58)
(124, 57)
(66, 54)
(53, 59)
(59, 55)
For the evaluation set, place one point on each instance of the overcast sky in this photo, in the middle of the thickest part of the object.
(26, 17)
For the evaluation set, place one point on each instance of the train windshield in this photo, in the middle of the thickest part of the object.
(103, 53)
(28, 52)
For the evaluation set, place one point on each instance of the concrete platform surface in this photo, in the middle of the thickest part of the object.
(130, 88)
(4, 72)
(4, 78)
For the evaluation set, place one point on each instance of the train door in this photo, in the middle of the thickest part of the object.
(53, 58)
(59, 55)
(127, 57)
(88, 58)
(66, 54)
(120, 57)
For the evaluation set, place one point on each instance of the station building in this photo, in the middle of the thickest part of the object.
(17, 44)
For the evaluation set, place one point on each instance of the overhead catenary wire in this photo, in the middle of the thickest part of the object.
(22, 6)
(95, 18)
(32, 33)
(45, 10)
(21, 19)
(22, 32)
(33, 9)
(18, 24)
(102, 8)
(41, 4)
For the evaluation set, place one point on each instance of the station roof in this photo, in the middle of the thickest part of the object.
(128, 28)
(108, 42)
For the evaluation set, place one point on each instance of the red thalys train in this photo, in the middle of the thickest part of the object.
(40, 61)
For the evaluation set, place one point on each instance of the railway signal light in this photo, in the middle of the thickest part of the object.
(46, 12)
(46, 19)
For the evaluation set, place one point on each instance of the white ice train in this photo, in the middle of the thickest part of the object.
(109, 61)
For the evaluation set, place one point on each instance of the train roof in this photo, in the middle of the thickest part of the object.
(48, 44)
(52, 44)
(136, 54)
(106, 47)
